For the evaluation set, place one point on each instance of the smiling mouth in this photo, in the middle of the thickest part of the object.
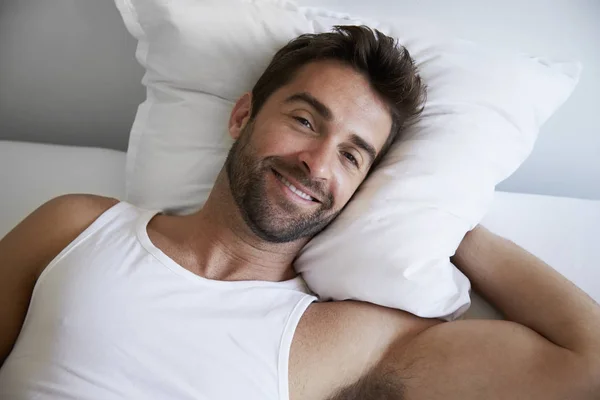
(293, 188)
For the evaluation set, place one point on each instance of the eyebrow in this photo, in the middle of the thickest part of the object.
(305, 97)
(326, 113)
(365, 146)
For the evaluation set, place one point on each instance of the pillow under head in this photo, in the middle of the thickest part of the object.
(392, 243)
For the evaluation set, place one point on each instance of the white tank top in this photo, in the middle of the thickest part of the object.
(113, 317)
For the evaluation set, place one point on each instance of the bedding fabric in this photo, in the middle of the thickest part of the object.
(33, 173)
(392, 244)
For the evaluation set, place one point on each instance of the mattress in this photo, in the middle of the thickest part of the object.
(564, 232)
(32, 173)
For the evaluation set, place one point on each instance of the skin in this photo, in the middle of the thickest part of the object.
(550, 349)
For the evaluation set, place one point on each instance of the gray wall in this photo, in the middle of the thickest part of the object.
(68, 73)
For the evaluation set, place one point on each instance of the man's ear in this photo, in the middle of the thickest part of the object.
(240, 115)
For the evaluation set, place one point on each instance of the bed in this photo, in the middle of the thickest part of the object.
(565, 232)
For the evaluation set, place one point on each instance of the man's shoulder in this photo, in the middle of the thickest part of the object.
(72, 213)
(81, 202)
(46, 231)
(337, 343)
(338, 317)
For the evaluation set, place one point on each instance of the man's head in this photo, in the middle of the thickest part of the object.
(323, 113)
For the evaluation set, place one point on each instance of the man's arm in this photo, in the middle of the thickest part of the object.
(30, 246)
(550, 350)
(530, 292)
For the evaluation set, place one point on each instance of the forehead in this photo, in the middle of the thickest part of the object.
(355, 106)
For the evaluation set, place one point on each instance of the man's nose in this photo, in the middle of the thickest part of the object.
(318, 161)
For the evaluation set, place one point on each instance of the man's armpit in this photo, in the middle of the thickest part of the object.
(376, 385)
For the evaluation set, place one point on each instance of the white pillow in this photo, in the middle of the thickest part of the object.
(392, 244)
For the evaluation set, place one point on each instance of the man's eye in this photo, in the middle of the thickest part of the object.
(304, 122)
(351, 158)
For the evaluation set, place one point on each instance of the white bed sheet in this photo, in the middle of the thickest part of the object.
(31, 173)
(564, 232)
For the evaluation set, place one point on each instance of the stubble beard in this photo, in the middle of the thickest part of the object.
(271, 220)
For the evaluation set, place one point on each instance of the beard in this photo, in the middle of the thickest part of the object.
(276, 220)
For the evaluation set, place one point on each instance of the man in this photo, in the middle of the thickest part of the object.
(130, 305)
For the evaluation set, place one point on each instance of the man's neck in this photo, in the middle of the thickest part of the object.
(226, 248)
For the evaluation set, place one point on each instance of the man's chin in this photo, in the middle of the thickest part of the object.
(278, 228)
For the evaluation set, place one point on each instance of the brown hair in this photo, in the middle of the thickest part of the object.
(388, 66)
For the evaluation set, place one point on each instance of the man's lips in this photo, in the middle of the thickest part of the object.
(296, 185)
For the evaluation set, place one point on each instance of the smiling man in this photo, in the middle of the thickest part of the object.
(314, 141)
(138, 304)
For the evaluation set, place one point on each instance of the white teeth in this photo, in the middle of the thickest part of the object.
(294, 189)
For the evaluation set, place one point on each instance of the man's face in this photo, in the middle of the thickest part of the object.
(296, 165)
